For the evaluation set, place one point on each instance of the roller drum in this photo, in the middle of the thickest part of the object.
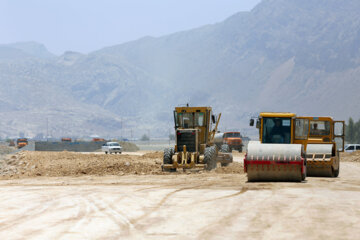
(320, 160)
(275, 162)
(256, 150)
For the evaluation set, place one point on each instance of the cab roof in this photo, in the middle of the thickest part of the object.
(318, 118)
(192, 109)
(278, 114)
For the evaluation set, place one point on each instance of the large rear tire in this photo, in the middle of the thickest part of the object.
(210, 158)
(335, 173)
(168, 153)
(225, 149)
(303, 175)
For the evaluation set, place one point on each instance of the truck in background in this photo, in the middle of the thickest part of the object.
(21, 142)
(233, 140)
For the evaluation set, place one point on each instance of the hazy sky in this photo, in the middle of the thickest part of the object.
(87, 25)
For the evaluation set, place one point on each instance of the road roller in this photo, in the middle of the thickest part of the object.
(324, 142)
(276, 156)
(291, 147)
(196, 144)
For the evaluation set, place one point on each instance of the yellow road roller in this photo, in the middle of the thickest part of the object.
(324, 142)
(291, 147)
(276, 156)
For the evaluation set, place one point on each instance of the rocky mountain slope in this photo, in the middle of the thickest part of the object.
(284, 55)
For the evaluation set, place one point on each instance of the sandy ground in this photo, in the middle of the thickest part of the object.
(121, 204)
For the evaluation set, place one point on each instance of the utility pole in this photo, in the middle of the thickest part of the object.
(121, 125)
(47, 129)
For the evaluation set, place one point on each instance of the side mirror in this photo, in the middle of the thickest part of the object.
(258, 123)
(251, 122)
(213, 119)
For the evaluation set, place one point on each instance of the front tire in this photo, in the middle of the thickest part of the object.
(210, 158)
(303, 175)
(335, 173)
(168, 153)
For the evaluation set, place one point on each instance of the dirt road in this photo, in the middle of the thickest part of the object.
(180, 206)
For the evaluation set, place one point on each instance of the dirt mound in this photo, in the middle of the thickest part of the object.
(6, 149)
(57, 164)
(350, 157)
(157, 154)
(233, 168)
(129, 147)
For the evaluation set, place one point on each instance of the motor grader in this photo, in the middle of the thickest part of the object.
(288, 148)
(196, 144)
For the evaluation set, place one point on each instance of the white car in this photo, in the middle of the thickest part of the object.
(111, 147)
(352, 147)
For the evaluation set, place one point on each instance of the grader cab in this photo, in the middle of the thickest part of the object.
(196, 146)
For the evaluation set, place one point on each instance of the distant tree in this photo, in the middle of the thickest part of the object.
(356, 132)
(350, 131)
(145, 138)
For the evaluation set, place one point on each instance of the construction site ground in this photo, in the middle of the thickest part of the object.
(49, 195)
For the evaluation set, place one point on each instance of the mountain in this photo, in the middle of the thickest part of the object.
(284, 55)
(28, 49)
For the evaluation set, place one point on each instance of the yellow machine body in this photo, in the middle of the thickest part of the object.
(322, 145)
(308, 145)
(194, 133)
(276, 156)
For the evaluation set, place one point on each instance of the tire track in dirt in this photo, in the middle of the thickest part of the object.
(223, 222)
(161, 202)
(243, 190)
(120, 219)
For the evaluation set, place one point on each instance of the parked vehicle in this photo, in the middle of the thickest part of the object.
(111, 147)
(234, 140)
(21, 142)
(352, 147)
(98, 140)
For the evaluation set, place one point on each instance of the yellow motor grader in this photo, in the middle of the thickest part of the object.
(289, 149)
(196, 144)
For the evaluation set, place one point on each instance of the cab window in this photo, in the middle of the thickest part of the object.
(189, 120)
(276, 130)
(301, 128)
(319, 128)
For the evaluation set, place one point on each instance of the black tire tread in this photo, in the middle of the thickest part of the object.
(210, 158)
